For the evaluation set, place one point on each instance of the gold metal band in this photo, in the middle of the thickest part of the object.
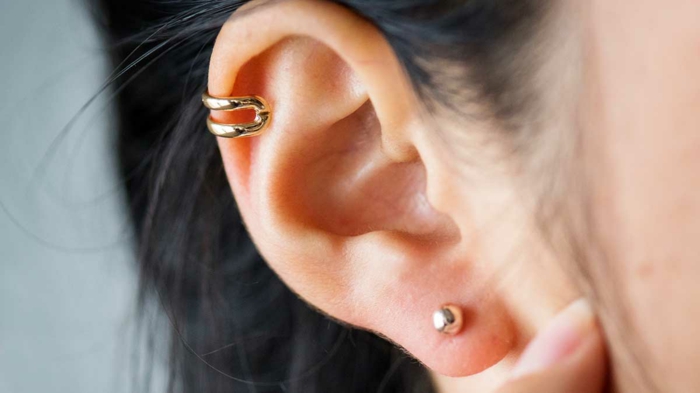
(227, 104)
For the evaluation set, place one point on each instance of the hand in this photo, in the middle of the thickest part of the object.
(568, 356)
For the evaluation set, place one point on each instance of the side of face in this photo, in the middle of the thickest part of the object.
(640, 126)
(367, 209)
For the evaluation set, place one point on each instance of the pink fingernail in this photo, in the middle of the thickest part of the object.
(558, 340)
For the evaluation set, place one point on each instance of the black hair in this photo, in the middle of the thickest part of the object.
(235, 326)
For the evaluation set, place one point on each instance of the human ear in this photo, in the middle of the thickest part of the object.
(336, 193)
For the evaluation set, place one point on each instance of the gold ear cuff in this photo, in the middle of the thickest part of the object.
(227, 104)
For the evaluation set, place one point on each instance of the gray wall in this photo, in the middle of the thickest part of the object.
(67, 282)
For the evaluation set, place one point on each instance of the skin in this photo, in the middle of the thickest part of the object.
(375, 219)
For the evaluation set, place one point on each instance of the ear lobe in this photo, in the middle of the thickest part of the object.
(334, 193)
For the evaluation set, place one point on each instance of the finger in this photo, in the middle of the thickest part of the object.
(566, 357)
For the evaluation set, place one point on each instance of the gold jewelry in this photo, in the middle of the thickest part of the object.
(227, 104)
(448, 319)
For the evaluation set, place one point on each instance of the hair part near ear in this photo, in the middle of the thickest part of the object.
(234, 324)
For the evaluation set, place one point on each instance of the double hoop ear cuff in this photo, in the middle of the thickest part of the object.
(448, 319)
(228, 104)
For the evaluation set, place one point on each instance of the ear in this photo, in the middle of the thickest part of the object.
(335, 192)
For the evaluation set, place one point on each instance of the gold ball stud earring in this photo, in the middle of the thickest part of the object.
(228, 104)
(448, 319)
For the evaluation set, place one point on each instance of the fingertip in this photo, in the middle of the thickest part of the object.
(566, 334)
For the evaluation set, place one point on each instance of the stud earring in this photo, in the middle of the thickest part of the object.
(228, 104)
(448, 319)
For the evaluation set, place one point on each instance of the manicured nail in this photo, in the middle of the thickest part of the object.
(558, 340)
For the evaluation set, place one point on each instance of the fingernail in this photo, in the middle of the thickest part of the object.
(558, 340)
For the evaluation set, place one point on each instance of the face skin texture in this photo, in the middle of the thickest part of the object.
(641, 112)
(367, 212)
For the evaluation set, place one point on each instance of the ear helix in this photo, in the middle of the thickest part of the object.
(448, 319)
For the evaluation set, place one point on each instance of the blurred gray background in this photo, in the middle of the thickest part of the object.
(67, 281)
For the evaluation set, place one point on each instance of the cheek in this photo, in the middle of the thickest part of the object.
(641, 132)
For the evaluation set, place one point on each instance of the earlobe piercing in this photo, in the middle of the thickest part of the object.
(228, 104)
(448, 319)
